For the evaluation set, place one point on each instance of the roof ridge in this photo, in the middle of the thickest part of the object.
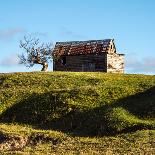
(85, 41)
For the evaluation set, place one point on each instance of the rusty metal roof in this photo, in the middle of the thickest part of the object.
(82, 47)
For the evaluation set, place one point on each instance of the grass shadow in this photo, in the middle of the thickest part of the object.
(141, 105)
(52, 111)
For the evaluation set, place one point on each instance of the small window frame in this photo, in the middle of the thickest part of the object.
(63, 60)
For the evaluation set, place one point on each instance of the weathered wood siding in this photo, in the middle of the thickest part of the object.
(89, 62)
(115, 63)
(88, 56)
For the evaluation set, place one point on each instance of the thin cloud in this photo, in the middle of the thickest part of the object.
(137, 65)
(40, 34)
(10, 33)
(66, 32)
(11, 60)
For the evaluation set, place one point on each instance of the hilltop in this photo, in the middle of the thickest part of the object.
(94, 110)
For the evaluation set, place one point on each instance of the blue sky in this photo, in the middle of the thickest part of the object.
(130, 22)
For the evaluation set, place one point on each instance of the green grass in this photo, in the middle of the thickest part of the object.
(82, 110)
(32, 141)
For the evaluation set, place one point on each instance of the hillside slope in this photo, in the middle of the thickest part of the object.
(79, 104)
(85, 103)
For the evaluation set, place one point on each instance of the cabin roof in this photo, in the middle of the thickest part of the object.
(82, 47)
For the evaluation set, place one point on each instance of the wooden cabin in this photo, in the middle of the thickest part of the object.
(88, 56)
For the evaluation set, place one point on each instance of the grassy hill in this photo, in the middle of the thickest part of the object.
(84, 112)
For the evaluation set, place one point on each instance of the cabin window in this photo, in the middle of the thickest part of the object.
(63, 60)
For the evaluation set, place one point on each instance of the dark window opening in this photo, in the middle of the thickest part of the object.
(63, 60)
(111, 46)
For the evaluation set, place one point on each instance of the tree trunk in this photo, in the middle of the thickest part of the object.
(45, 66)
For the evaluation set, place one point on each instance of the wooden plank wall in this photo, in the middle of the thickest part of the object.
(82, 63)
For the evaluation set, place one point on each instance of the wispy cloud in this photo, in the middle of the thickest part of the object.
(11, 60)
(146, 65)
(67, 32)
(10, 33)
(40, 34)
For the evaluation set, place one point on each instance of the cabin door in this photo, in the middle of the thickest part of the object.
(91, 67)
(88, 67)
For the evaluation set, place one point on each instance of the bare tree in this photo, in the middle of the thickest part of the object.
(35, 52)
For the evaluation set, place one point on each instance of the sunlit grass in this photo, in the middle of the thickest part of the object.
(80, 110)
